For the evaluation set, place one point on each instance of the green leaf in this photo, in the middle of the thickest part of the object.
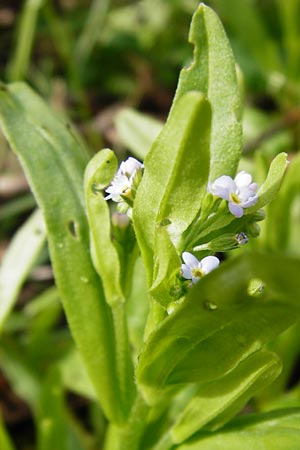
(278, 231)
(271, 186)
(98, 174)
(22, 378)
(74, 376)
(54, 162)
(219, 324)
(51, 420)
(175, 177)
(218, 401)
(18, 261)
(213, 73)
(137, 131)
(276, 430)
(166, 268)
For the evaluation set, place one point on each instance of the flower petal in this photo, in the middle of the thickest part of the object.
(222, 187)
(235, 209)
(250, 202)
(186, 272)
(209, 263)
(243, 179)
(130, 166)
(190, 259)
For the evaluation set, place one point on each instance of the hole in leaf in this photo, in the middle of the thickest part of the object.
(73, 229)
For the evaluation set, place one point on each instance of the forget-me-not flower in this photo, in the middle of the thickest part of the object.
(240, 192)
(123, 180)
(193, 269)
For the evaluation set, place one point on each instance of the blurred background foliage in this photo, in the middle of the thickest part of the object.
(98, 63)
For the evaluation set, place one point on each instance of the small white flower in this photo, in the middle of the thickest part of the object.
(123, 180)
(240, 192)
(129, 167)
(193, 269)
(120, 185)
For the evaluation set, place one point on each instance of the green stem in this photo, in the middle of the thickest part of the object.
(90, 33)
(129, 436)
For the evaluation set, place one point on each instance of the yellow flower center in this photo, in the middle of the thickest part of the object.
(234, 198)
(197, 273)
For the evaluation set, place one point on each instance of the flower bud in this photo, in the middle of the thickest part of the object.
(253, 229)
(259, 215)
(224, 243)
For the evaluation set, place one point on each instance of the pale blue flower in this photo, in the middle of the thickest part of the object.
(193, 269)
(240, 192)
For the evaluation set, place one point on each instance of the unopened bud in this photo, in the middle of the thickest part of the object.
(259, 215)
(253, 229)
(224, 243)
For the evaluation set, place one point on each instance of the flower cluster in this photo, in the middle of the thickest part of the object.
(123, 186)
(240, 192)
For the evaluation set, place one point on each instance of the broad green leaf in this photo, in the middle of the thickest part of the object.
(219, 324)
(218, 401)
(277, 430)
(18, 260)
(137, 131)
(54, 162)
(213, 73)
(175, 176)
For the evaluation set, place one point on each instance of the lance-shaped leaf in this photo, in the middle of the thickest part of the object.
(54, 161)
(218, 401)
(278, 230)
(276, 430)
(271, 186)
(98, 174)
(175, 176)
(213, 73)
(219, 324)
(18, 261)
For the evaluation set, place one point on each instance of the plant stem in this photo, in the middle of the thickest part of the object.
(129, 436)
